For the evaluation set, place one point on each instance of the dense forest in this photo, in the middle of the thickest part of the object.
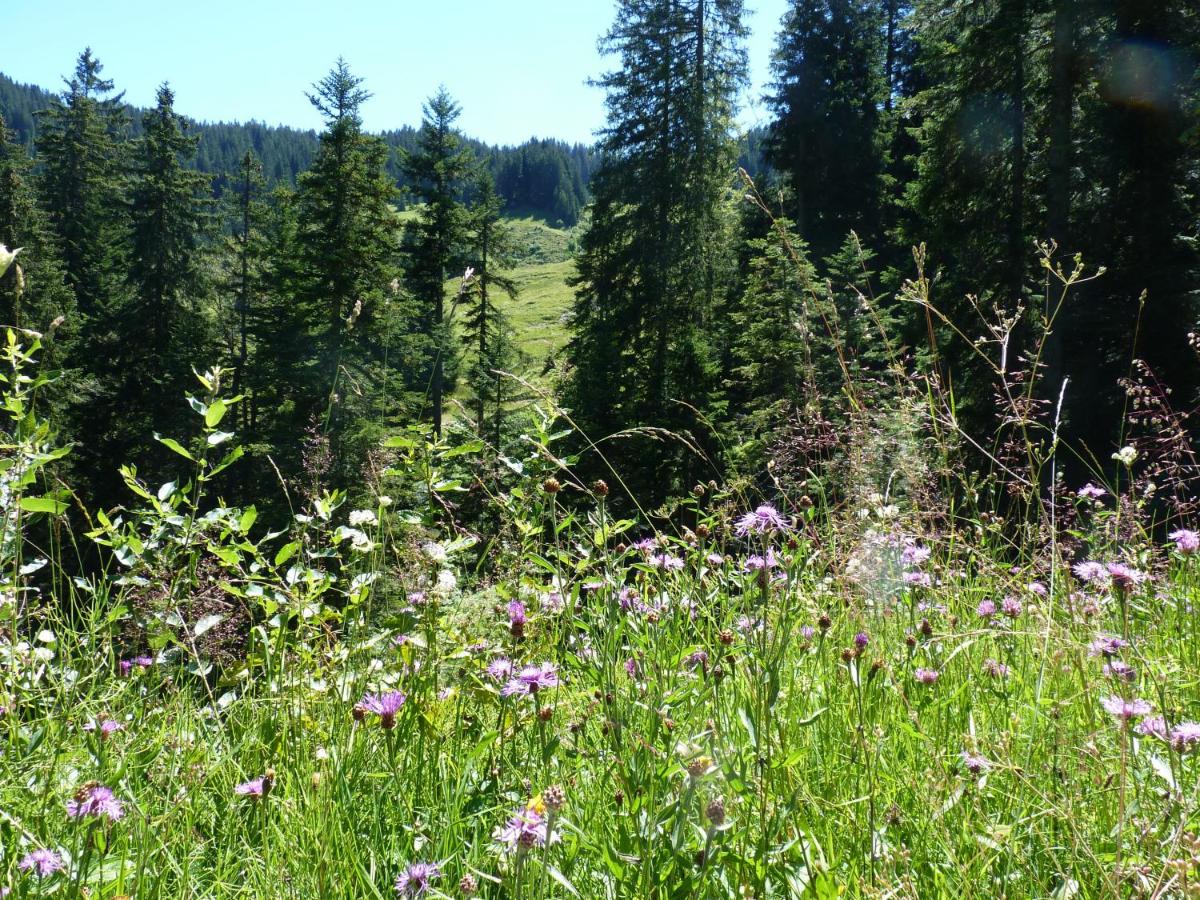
(542, 177)
(728, 287)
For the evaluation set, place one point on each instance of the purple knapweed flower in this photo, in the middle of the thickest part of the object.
(986, 609)
(105, 727)
(667, 561)
(1036, 587)
(383, 705)
(646, 544)
(1090, 571)
(861, 640)
(255, 788)
(631, 667)
(974, 763)
(915, 555)
(995, 669)
(715, 559)
(1107, 645)
(417, 878)
(1125, 709)
(918, 579)
(764, 520)
(1184, 736)
(756, 562)
(532, 679)
(500, 669)
(697, 660)
(927, 676)
(1011, 607)
(95, 801)
(1120, 670)
(527, 828)
(1090, 492)
(1126, 577)
(1152, 726)
(1186, 541)
(41, 862)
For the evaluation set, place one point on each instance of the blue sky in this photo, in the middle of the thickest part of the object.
(518, 67)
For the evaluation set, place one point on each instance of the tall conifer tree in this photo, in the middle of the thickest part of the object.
(439, 169)
(655, 264)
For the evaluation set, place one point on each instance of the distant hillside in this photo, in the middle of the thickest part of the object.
(544, 178)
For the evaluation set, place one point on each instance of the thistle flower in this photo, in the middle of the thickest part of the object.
(986, 609)
(383, 705)
(1186, 541)
(532, 679)
(764, 520)
(94, 800)
(42, 862)
(416, 879)
(1125, 709)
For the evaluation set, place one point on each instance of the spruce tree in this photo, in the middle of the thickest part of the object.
(655, 264)
(439, 169)
(347, 249)
(486, 330)
(45, 302)
(81, 146)
(832, 81)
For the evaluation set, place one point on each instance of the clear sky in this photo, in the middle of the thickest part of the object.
(518, 67)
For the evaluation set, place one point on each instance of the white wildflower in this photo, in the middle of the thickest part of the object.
(435, 551)
(361, 517)
(446, 582)
(6, 258)
(1126, 455)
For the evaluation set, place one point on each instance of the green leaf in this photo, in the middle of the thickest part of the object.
(219, 437)
(286, 552)
(215, 413)
(205, 624)
(173, 444)
(43, 505)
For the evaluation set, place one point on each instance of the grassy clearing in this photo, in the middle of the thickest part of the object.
(806, 702)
